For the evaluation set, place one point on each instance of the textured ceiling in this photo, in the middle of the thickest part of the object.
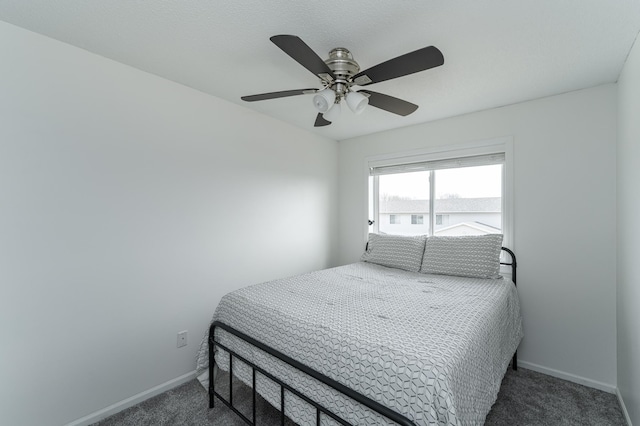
(497, 52)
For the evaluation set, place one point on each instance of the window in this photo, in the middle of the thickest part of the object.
(394, 219)
(468, 200)
(460, 191)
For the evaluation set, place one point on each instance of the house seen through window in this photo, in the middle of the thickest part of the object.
(438, 198)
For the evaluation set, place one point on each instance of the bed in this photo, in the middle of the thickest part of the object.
(375, 342)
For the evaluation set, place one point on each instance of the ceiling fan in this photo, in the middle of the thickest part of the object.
(341, 72)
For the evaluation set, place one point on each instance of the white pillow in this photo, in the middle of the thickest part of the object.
(475, 256)
(395, 251)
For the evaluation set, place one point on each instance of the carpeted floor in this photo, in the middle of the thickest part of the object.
(526, 398)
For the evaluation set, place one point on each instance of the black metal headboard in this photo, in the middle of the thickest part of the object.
(513, 264)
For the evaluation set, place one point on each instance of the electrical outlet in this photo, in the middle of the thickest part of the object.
(182, 338)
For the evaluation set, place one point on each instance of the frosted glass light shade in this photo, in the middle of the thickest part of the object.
(333, 113)
(357, 102)
(324, 99)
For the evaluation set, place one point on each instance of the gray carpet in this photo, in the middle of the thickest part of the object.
(525, 398)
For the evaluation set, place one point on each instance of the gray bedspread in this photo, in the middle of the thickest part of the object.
(432, 347)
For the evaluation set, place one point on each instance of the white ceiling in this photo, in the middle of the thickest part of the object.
(497, 52)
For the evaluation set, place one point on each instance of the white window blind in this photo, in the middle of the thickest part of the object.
(450, 163)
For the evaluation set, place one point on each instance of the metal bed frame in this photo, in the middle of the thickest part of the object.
(371, 404)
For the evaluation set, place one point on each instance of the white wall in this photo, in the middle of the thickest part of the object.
(128, 206)
(565, 228)
(629, 234)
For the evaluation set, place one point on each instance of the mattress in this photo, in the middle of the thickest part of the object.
(434, 348)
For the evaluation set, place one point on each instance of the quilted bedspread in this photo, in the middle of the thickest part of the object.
(434, 348)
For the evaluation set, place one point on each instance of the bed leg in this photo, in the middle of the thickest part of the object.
(212, 397)
(254, 396)
(514, 363)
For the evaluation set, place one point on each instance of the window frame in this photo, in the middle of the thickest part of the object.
(469, 149)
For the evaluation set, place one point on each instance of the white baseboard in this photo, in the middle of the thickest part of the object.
(142, 396)
(130, 402)
(624, 408)
(569, 377)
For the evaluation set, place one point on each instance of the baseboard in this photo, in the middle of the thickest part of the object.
(623, 407)
(130, 402)
(568, 376)
(142, 396)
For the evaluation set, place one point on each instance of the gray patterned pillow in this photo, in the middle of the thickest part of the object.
(475, 256)
(395, 251)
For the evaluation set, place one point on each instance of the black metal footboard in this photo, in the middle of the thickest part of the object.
(373, 405)
(350, 393)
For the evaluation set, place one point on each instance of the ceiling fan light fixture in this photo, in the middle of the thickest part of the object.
(324, 100)
(333, 113)
(357, 102)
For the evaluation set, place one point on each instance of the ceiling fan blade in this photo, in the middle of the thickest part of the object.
(416, 61)
(320, 121)
(275, 95)
(389, 103)
(304, 55)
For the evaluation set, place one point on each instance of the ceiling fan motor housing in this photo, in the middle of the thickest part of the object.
(343, 66)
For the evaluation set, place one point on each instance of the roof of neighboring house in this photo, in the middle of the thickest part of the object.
(481, 228)
(444, 205)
